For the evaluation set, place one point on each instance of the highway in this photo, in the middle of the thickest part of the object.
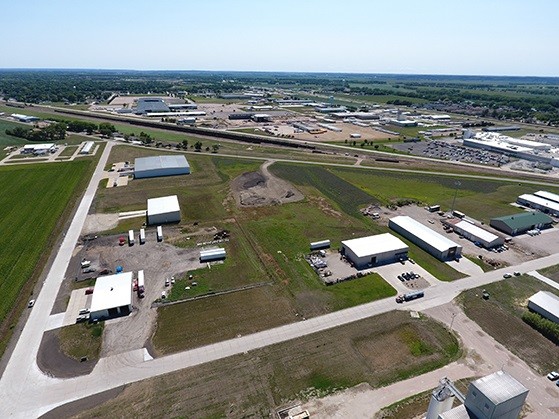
(26, 392)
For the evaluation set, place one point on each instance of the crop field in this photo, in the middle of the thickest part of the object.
(33, 198)
(502, 313)
(253, 384)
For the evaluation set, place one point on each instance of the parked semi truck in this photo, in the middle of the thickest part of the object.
(142, 236)
(141, 284)
(159, 233)
(409, 296)
(130, 237)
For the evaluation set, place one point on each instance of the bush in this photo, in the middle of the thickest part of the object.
(546, 327)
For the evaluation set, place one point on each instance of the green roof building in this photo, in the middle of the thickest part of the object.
(520, 223)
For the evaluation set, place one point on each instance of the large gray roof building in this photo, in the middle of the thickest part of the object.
(150, 105)
(145, 167)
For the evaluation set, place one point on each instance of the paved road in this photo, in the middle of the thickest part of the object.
(26, 392)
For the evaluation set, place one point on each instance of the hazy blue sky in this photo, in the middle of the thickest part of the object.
(498, 37)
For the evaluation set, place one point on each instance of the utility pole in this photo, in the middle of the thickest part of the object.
(457, 184)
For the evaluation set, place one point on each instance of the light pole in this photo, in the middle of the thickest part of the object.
(457, 184)
(452, 321)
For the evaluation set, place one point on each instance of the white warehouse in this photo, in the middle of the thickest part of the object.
(156, 166)
(163, 210)
(538, 203)
(545, 304)
(476, 234)
(369, 251)
(112, 296)
(429, 240)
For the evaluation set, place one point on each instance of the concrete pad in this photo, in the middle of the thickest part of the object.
(78, 300)
(545, 279)
(466, 266)
(55, 321)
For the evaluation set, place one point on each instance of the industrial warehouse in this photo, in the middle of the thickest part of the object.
(163, 210)
(430, 241)
(516, 224)
(112, 296)
(538, 203)
(148, 167)
(546, 304)
(474, 233)
(381, 249)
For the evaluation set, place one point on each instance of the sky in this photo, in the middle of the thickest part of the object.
(473, 37)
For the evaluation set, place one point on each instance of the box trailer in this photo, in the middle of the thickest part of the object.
(159, 233)
(323, 244)
(212, 254)
(141, 284)
(130, 237)
(142, 236)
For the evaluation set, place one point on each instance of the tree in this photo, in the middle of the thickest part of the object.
(198, 146)
(215, 147)
(106, 129)
(185, 144)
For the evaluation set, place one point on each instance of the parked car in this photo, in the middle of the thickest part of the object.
(88, 270)
(31, 303)
(516, 273)
(507, 275)
(553, 375)
(105, 272)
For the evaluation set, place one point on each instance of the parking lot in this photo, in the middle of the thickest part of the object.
(452, 150)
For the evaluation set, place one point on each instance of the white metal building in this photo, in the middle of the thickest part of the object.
(146, 167)
(546, 304)
(163, 210)
(87, 147)
(429, 240)
(547, 195)
(369, 251)
(38, 148)
(477, 234)
(536, 202)
(212, 254)
(112, 296)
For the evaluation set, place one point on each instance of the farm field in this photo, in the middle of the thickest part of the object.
(552, 272)
(502, 313)
(254, 384)
(33, 198)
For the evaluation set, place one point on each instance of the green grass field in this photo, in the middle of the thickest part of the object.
(32, 198)
(502, 313)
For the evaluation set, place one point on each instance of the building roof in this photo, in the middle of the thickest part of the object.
(163, 205)
(524, 219)
(371, 245)
(112, 291)
(499, 387)
(536, 200)
(38, 146)
(547, 195)
(459, 412)
(142, 164)
(439, 242)
(476, 231)
(148, 104)
(546, 300)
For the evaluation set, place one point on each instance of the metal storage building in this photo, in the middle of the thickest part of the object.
(151, 105)
(546, 304)
(521, 223)
(146, 167)
(87, 147)
(369, 251)
(112, 296)
(429, 240)
(163, 210)
(477, 234)
(536, 202)
(547, 195)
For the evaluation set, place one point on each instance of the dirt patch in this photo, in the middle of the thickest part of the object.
(53, 362)
(261, 188)
(95, 223)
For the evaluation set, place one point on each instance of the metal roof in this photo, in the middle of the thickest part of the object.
(459, 412)
(439, 242)
(371, 245)
(143, 164)
(163, 205)
(476, 231)
(546, 300)
(536, 200)
(547, 195)
(146, 105)
(112, 291)
(524, 219)
(499, 387)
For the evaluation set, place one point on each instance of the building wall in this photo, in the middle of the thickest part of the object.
(447, 254)
(534, 205)
(169, 217)
(374, 259)
(502, 226)
(542, 311)
(141, 174)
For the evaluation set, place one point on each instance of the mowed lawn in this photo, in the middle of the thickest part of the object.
(32, 199)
